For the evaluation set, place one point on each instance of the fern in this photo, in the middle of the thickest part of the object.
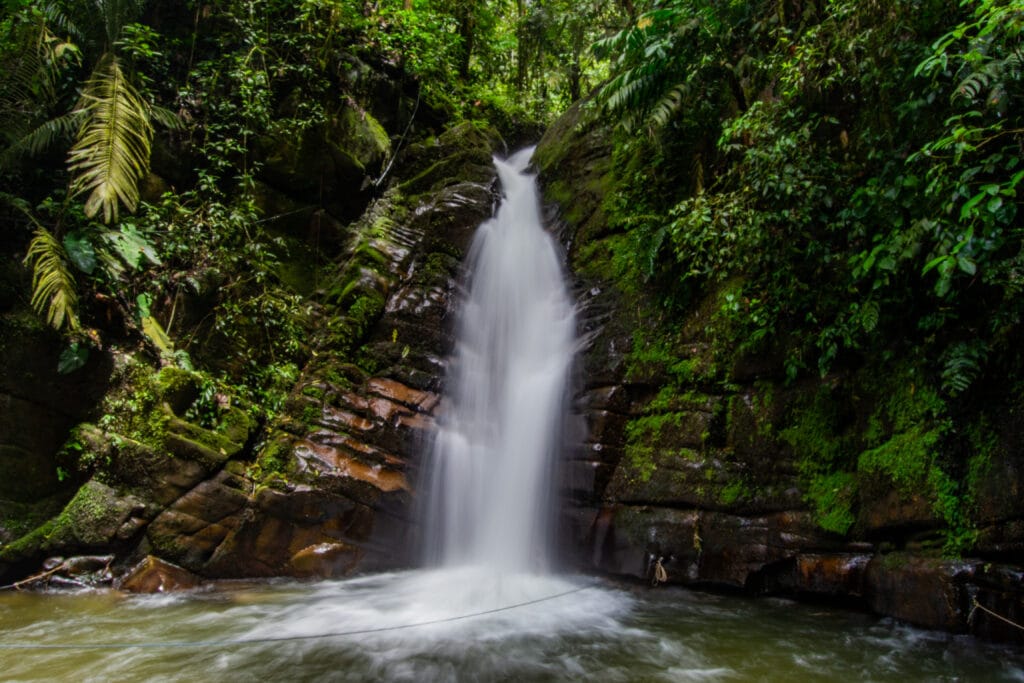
(111, 153)
(653, 61)
(53, 288)
(42, 137)
(962, 365)
(28, 81)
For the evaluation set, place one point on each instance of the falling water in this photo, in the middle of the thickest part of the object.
(493, 452)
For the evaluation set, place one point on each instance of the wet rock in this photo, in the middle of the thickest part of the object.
(86, 564)
(924, 591)
(191, 529)
(997, 603)
(837, 576)
(884, 509)
(154, 575)
(324, 560)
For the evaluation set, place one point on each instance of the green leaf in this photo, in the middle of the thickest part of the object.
(143, 301)
(967, 265)
(968, 208)
(53, 288)
(935, 262)
(72, 358)
(80, 252)
(132, 246)
(111, 153)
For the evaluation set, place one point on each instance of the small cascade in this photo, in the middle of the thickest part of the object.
(493, 453)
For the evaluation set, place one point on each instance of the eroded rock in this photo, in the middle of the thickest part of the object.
(154, 575)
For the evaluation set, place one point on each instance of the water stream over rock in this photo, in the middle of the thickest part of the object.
(495, 444)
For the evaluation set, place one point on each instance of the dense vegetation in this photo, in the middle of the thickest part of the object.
(844, 176)
(93, 92)
(841, 175)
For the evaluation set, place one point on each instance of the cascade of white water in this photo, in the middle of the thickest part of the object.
(493, 451)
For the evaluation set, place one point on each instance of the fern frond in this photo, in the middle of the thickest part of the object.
(166, 118)
(28, 78)
(57, 18)
(40, 138)
(111, 154)
(53, 289)
(962, 364)
(670, 103)
(115, 14)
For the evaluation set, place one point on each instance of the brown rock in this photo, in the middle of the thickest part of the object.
(924, 591)
(324, 560)
(421, 401)
(153, 575)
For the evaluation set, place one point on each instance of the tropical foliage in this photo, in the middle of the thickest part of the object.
(846, 175)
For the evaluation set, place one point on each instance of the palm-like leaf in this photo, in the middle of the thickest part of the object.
(28, 73)
(40, 138)
(53, 288)
(111, 153)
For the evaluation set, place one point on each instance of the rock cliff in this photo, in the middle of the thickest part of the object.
(698, 464)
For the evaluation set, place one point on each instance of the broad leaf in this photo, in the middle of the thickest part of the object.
(132, 246)
(80, 252)
(72, 358)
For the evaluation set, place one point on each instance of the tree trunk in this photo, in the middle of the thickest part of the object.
(467, 26)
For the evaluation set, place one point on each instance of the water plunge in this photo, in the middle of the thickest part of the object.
(495, 445)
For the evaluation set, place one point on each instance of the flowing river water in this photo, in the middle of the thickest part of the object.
(488, 608)
(602, 632)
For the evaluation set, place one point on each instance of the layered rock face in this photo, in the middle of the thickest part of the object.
(703, 475)
(327, 488)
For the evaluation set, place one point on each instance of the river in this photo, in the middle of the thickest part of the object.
(420, 626)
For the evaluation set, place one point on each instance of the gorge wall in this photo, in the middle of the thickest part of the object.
(701, 465)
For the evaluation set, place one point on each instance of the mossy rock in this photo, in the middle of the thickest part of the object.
(19, 518)
(178, 388)
(362, 137)
(92, 519)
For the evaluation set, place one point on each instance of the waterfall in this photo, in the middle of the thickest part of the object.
(493, 453)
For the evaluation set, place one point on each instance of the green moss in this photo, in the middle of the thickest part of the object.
(312, 414)
(609, 258)
(179, 388)
(236, 425)
(191, 441)
(314, 392)
(825, 451)
(436, 268)
(89, 519)
(640, 458)
(642, 437)
(274, 459)
(905, 458)
(733, 492)
(28, 544)
(832, 495)
(19, 519)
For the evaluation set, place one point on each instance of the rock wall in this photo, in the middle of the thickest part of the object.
(327, 487)
(700, 469)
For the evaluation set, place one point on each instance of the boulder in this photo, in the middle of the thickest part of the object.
(154, 575)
